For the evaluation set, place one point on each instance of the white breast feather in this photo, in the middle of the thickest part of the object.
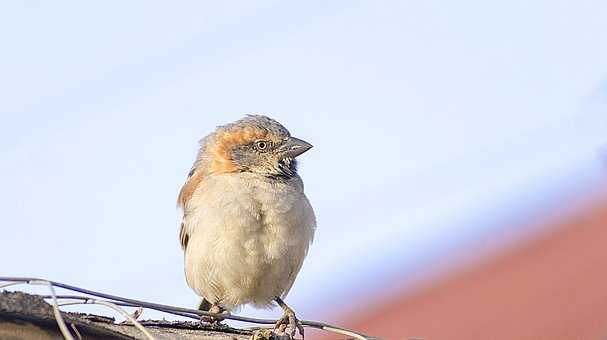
(248, 238)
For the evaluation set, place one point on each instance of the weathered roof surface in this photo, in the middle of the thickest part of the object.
(25, 316)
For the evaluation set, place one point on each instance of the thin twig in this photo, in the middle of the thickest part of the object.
(186, 312)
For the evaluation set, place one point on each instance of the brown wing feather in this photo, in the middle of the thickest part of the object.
(183, 237)
(186, 192)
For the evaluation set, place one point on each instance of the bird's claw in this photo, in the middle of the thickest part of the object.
(210, 319)
(289, 324)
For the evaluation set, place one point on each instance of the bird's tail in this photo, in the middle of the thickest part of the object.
(204, 305)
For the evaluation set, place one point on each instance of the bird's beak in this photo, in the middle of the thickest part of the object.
(294, 147)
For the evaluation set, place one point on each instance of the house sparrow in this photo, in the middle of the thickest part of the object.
(247, 223)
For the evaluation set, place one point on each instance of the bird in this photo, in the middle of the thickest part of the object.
(247, 224)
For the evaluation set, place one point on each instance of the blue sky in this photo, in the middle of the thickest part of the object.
(436, 125)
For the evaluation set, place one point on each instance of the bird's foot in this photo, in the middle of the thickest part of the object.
(212, 320)
(288, 323)
(269, 334)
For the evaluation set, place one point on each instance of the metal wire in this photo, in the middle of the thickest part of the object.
(114, 307)
(185, 312)
(58, 317)
(123, 304)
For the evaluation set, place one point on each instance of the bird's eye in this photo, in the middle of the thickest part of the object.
(261, 145)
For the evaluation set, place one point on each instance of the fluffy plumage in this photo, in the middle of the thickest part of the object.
(247, 223)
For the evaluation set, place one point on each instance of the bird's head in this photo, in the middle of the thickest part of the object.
(255, 144)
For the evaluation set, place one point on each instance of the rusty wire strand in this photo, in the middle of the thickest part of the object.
(185, 312)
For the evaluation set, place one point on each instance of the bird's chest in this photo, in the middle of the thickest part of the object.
(248, 239)
(271, 221)
(254, 220)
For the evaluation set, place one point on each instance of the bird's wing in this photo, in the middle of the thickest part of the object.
(191, 184)
(184, 237)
